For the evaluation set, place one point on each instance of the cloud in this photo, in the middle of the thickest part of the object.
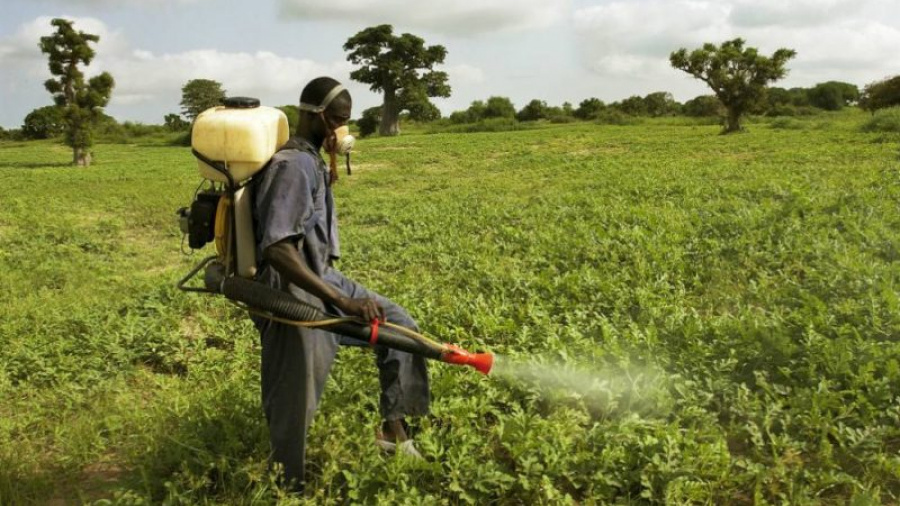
(795, 13)
(22, 46)
(459, 17)
(635, 38)
(119, 3)
(834, 39)
(149, 84)
(464, 74)
(143, 77)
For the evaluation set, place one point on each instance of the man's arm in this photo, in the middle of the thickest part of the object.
(285, 258)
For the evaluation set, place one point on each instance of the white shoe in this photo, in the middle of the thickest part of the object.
(407, 448)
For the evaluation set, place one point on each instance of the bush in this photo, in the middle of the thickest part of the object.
(127, 132)
(369, 122)
(885, 120)
(881, 94)
(562, 118)
(182, 140)
(704, 106)
(787, 124)
(590, 108)
(792, 110)
(616, 117)
(174, 123)
(485, 125)
(43, 123)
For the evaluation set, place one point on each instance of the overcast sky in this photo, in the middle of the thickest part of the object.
(554, 50)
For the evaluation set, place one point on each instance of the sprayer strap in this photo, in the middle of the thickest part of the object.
(374, 338)
(327, 100)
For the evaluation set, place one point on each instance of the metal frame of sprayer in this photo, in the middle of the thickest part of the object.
(221, 278)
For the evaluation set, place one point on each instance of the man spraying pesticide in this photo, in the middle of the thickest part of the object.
(271, 213)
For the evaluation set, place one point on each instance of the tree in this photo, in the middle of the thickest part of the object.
(738, 76)
(833, 95)
(369, 122)
(43, 123)
(423, 111)
(401, 67)
(533, 111)
(499, 107)
(198, 95)
(881, 94)
(174, 123)
(590, 108)
(703, 106)
(475, 112)
(660, 103)
(633, 105)
(81, 102)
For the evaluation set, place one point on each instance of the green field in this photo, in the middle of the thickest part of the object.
(731, 305)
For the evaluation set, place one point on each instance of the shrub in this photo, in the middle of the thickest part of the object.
(485, 125)
(43, 123)
(616, 117)
(562, 118)
(704, 106)
(885, 120)
(787, 124)
(792, 110)
(589, 108)
(369, 122)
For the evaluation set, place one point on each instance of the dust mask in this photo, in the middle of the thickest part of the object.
(343, 141)
(340, 142)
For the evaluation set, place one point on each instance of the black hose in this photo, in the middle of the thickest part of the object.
(264, 298)
(284, 305)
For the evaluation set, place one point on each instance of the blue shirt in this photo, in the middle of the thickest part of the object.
(292, 199)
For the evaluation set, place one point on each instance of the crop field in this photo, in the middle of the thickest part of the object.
(683, 318)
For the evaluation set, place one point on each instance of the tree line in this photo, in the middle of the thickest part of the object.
(402, 68)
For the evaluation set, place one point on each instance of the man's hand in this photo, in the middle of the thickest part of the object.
(367, 309)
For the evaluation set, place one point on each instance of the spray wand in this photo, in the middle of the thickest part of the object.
(260, 299)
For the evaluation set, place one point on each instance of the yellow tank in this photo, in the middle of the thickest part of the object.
(242, 134)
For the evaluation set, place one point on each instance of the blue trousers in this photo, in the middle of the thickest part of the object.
(295, 365)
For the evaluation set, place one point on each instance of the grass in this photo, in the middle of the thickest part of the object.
(746, 285)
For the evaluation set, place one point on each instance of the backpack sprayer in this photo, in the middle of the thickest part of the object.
(232, 143)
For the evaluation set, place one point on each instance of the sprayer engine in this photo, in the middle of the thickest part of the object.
(198, 222)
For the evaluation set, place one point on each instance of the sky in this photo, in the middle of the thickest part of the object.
(553, 50)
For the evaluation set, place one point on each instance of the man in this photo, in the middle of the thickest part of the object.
(297, 240)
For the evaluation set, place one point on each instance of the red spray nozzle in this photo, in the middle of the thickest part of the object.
(456, 355)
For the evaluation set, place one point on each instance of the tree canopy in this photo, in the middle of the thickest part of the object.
(881, 94)
(198, 95)
(737, 75)
(590, 108)
(43, 122)
(832, 95)
(81, 101)
(533, 111)
(401, 67)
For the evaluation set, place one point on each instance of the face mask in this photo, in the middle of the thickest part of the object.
(343, 141)
(339, 142)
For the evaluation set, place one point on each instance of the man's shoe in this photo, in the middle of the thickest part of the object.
(407, 448)
(392, 438)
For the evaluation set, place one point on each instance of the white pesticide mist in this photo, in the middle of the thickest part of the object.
(636, 389)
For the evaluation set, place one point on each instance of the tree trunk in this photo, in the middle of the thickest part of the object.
(81, 157)
(733, 121)
(390, 115)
